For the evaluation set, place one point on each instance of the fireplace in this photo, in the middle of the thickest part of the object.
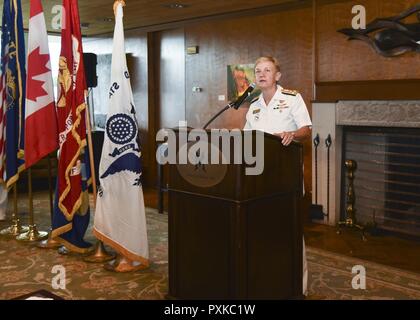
(387, 180)
(383, 137)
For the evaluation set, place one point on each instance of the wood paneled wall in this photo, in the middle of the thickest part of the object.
(342, 60)
(170, 52)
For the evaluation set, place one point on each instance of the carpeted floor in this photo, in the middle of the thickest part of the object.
(330, 277)
(24, 268)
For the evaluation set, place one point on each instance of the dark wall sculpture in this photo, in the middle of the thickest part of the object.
(390, 37)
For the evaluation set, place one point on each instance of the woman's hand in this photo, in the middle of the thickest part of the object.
(299, 135)
(286, 137)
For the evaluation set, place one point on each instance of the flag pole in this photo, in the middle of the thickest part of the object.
(15, 228)
(50, 189)
(32, 234)
(91, 156)
(99, 254)
(50, 243)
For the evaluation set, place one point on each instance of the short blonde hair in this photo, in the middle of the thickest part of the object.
(269, 59)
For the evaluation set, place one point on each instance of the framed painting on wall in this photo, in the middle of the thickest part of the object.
(239, 77)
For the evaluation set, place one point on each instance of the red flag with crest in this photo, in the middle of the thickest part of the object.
(71, 111)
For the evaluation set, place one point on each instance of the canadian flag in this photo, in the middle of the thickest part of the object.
(41, 134)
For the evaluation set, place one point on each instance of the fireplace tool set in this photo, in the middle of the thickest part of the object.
(316, 210)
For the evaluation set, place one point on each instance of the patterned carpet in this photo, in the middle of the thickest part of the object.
(24, 268)
(330, 277)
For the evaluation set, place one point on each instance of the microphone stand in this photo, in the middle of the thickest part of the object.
(234, 104)
(217, 114)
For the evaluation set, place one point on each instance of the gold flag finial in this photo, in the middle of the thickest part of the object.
(116, 4)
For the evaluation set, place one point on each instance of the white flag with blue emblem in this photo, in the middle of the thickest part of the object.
(120, 219)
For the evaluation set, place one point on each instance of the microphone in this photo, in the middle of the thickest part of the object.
(236, 104)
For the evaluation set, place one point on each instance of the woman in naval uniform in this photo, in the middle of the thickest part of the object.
(281, 112)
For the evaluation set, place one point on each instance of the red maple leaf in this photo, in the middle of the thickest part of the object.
(37, 64)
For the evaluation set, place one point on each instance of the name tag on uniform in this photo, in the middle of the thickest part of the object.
(256, 114)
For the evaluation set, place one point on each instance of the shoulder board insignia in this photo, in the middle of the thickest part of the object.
(289, 92)
(253, 100)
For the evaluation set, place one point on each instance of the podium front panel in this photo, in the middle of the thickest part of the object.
(234, 236)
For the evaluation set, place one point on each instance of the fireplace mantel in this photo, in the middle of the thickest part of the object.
(395, 113)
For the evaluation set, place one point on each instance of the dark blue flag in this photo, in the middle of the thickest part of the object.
(12, 88)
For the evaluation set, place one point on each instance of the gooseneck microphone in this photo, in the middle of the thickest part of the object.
(234, 104)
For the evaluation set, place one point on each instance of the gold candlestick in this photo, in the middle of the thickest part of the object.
(350, 221)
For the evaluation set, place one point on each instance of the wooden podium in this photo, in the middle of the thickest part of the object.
(237, 236)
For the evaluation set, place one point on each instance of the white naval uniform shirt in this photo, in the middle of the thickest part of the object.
(285, 112)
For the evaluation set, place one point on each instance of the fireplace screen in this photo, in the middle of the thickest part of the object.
(387, 179)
